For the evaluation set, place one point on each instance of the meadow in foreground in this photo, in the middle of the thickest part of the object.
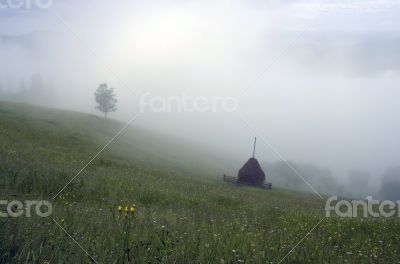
(177, 217)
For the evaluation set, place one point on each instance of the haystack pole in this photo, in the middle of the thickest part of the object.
(254, 147)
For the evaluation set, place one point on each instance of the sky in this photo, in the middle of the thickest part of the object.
(316, 81)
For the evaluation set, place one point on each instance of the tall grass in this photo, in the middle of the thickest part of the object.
(180, 218)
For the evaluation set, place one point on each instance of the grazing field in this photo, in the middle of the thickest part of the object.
(182, 212)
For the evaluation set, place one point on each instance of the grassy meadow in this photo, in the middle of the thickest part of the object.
(183, 211)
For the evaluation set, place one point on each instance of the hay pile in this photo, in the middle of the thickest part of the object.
(251, 173)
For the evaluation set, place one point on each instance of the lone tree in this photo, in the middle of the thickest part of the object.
(105, 99)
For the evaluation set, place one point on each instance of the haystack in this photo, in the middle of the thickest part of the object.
(251, 173)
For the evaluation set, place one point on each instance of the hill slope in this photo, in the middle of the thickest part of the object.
(181, 217)
(57, 133)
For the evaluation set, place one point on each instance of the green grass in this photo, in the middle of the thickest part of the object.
(186, 214)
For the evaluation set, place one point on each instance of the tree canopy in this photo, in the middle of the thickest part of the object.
(105, 99)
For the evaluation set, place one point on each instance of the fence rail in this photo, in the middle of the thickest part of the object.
(231, 179)
(235, 180)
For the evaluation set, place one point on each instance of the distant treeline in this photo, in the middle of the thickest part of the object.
(30, 90)
(289, 175)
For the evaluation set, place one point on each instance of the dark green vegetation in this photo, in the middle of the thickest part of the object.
(185, 212)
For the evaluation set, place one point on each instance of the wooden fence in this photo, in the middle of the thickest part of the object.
(231, 179)
(236, 181)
